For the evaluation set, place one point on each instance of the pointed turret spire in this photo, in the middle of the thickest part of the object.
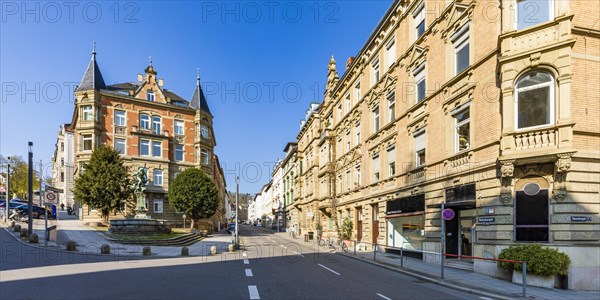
(332, 74)
(92, 78)
(198, 99)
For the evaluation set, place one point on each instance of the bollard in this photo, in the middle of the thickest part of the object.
(23, 232)
(231, 247)
(146, 251)
(213, 250)
(11, 224)
(375, 251)
(34, 239)
(17, 228)
(185, 251)
(401, 257)
(105, 249)
(71, 246)
(524, 279)
(354, 247)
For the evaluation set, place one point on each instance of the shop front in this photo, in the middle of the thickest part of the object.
(405, 218)
(460, 230)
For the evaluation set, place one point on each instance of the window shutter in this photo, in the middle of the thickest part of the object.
(420, 142)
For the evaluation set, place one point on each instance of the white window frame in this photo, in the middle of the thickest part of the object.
(390, 50)
(157, 177)
(418, 17)
(178, 127)
(340, 112)
(145, 122)
(552, 85)
(87, 137)
(550, 14)
(348, 141)
(177, 150)
(159, 143)
(158, 209)
(457, 125)
(150, 95)
(124, 143)
(156, 126)
(348, 180)
(142, 141)
(419, 75)
(120, 120)
(375, 71)
(204, 157)
(460, 40)
(87, 113)
(391, 153)
(204, 131)
(391, 98)
(376, 168)
(376, 119)
(357, 133)
(357, 170)
(418, 133)
(357, 91)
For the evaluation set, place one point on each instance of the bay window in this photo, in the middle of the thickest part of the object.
(534, 96)
(533, 12)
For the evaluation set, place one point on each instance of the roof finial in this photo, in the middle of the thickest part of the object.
(150, 60)
(94, 48)
(198, 75)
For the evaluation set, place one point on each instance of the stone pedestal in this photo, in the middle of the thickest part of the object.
(138, 226)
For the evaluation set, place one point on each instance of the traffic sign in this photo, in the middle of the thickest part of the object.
(50, 196)
(448, 214)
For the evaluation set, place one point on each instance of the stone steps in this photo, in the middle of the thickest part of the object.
(184, 240)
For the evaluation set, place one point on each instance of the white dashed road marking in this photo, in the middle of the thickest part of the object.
(246, 261)
(330, 270)
(253, 292)
(384, 297)
(298, 253)
(249, 273)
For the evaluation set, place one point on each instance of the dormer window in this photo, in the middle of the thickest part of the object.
(150, 95)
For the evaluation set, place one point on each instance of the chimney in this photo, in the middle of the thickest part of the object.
(161, 82)
(140, 78)
(349, 61)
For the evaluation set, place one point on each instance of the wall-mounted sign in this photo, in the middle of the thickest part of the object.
(461, 193)
(448, 214)
(409, 204)
(580, 219)
(486, 220)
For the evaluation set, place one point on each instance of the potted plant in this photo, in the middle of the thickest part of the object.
(545, 266)
(347, 231)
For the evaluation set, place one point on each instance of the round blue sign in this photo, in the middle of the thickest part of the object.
(448, 214)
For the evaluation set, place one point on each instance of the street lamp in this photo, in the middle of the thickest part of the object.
(237, 197)
(30, 191)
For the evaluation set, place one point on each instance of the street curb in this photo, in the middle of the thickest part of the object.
(432, 280)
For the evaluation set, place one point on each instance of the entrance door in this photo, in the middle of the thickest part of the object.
(375, 224)
(452, 234)
(467, 219)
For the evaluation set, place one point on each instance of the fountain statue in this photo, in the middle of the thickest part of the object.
(139, 189)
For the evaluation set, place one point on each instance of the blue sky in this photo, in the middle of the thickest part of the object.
(261, 63)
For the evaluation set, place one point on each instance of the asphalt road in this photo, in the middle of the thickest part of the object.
(268, 268)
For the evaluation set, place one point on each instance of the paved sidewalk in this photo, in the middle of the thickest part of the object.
(89, 240)
(464, 280)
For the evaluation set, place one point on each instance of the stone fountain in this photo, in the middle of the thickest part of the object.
(141, 222)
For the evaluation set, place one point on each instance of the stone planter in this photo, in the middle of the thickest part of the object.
(536, 280)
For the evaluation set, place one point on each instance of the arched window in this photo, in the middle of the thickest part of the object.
(150, 95)
(534, 98)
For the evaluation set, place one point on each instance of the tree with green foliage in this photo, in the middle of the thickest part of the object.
(19, 176)
(347, 229)
(194, 193)
(104, 183)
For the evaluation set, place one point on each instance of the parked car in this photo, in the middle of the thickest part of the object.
(38, 211)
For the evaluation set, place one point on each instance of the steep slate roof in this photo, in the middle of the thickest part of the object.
(198, 99)
(92, 78)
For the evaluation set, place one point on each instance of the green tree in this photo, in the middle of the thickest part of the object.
(105, 183)
(19, 177)
(194, 194)
(347, 229)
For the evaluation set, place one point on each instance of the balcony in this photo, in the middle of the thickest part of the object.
(325, 135)
(537, 142)
(536, 37)
(535, 139)
(327, 168)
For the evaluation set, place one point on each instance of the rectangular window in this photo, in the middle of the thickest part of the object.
(532, 217)
(144, 122)
(532, 12)
(341, 185)
(87, 142)
(156, 125)
(87, 113)
(391, 98)
(358, 183)
(390, 49)
(62, 176)
(357, 130)
(348, 180)
(461, 49)
(376, 168)
(391, 155)
(204, 157)
(357, 91)
(178, 127)
(119, 118)
(156, 149)
(419, 20)
(376, 119)
(120, 145)
(204, 131)
(348, 144)
(420, 149)
(158, 206)
(462, 129)
(340, 113)
(150, 95)
(348, 103)
(158, 177)
(420, 83)
(375, 72)
(144, 148)
(178, 152)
